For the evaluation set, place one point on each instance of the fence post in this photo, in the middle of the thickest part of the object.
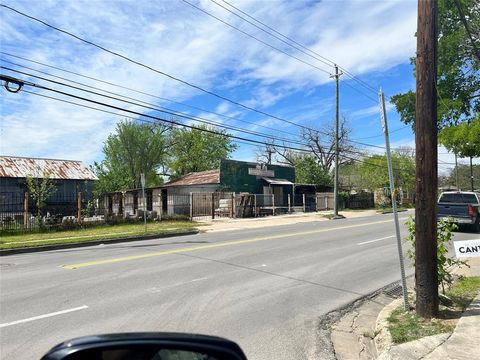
(25, 210)
(273, 205)
(326, 202)
(232, 209)
(213, 206)
(288, 200)
(124, 208)
(191, 206)
(79, 207)
(255, 204)
(160, 208)
(316, 202)
(303, 199)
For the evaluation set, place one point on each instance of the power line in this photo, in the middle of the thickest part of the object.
(267, 44)
(171, 122)
(168, 75)
(155, 70)
(291, 42)
(255, 38)
(155, 123)
(161, 109)
(144, 93)
(128, 88)
(390, 132)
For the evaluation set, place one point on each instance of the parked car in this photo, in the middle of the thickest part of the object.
(461, 206)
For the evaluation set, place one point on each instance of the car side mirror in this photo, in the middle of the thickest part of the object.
(146, 346)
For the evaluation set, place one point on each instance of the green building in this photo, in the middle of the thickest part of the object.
(239, 177)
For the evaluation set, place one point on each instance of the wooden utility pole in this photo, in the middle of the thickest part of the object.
(337, 120)
(426, 278)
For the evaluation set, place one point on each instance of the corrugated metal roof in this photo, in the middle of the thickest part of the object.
(21, 167)
(197, 178)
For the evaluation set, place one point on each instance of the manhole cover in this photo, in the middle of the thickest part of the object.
(394, 291)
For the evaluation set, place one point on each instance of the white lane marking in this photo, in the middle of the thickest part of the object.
(43, 316)
(199, 279)
(371, 241)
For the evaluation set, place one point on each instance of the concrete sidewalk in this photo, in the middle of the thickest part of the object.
(361, 333)
(228, 224)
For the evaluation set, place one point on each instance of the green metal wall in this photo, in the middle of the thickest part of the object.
(234, 176)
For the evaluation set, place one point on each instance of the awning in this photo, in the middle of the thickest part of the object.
(277, 181)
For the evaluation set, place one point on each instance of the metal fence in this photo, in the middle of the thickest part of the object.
(18, 212)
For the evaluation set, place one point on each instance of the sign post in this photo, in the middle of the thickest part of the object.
(383, 115)
(142, 181)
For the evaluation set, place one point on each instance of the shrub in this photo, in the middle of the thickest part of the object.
(444, 262)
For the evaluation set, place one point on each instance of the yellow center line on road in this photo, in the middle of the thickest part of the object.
(212, 246)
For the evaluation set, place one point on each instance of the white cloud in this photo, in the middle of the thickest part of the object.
(181, 41)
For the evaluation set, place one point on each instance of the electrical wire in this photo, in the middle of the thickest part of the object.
(155, 123)
(126, 58)
(291, 42)
(128, 88)
(267, 44)
(171, 122)
(324, 133)
(159, 108)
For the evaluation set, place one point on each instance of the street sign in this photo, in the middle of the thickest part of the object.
(467, 248)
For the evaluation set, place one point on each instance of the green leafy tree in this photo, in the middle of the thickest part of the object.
(197, 150)
(40, 189)
(464, 177)
(372, 172)
(133, 148)
(462, 139)
(308, 171)
(458, 80)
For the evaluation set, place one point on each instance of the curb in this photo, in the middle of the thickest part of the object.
(33, 249)
(326, 321)
(391, 212)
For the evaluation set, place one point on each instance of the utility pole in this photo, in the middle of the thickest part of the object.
(335, 188)
(456, 172)
(471, 174)
(426, 278)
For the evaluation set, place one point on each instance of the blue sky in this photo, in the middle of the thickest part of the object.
(371, 39)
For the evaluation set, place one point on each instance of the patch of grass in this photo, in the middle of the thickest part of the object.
(407, 326)
(389, 210)
(464, 291)
(95, 233)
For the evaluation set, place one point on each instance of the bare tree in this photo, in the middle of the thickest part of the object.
(322, 144)
(265, 154)
(407, 151)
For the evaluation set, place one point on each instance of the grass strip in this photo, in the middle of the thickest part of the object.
(118, 231)
(408, 326)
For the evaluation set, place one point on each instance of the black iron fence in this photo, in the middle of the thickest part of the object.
(19, 212)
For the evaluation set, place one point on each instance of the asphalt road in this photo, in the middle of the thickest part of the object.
(264, 288)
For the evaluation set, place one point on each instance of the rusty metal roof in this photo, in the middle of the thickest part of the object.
(21, 167)
(197, 178)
